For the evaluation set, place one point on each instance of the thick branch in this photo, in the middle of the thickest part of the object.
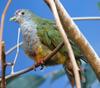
(66, 41)
(73, 31)
(3, 63)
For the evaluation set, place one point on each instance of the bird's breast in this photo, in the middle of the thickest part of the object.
(30, 38)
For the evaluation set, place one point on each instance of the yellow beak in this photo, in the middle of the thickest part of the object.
(13, 18)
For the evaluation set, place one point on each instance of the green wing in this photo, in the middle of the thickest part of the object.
(50, 36)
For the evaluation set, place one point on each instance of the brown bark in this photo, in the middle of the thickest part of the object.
(66, 42)
(3, 63)
(74, 33)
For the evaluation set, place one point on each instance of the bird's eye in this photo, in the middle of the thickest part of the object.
(22, 13)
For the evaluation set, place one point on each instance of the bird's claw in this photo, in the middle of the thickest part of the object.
(41, 64)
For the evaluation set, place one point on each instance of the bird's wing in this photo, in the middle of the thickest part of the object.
(50, 36)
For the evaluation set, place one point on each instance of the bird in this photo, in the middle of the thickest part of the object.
(40, 37)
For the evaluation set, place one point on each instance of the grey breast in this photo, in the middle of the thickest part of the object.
(30, 38)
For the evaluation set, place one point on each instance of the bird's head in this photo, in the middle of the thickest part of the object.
(22, 15)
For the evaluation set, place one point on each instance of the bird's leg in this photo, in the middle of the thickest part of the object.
(41, 64)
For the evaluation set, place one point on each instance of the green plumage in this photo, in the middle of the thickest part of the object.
(50, 36)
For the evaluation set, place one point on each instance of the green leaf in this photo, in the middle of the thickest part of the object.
(98, 4)
(26, 81)
(57, 74)
(89, 76)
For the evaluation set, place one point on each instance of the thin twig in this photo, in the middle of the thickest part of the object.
(66, 41)
(8, 64)
(15, 59)
(2, 24)
(74, 33)
(85, 18)
(16, 74)
(36, 65)
(13, 48)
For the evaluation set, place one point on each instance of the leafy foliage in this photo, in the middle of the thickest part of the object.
(56, 75)
(90, 77)
(98, 4)
(35, 81)
(26, 81)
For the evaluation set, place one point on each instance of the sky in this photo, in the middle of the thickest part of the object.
(76, 8)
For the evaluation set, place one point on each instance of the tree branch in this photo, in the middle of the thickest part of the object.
(85, 18)
(3, 63)
(17, 52)
(36, 65)
(2, 53)
(2, 24)
(73, 31)
(13, 48)
(66, 41)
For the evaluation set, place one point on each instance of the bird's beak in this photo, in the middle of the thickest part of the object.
(13, 18)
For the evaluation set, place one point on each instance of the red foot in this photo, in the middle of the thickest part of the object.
(40, 62)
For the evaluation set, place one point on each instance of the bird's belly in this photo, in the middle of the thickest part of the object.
(33, 51)
(30, 48)
(30, 42)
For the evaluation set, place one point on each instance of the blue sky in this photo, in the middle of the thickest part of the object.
(90, 29)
